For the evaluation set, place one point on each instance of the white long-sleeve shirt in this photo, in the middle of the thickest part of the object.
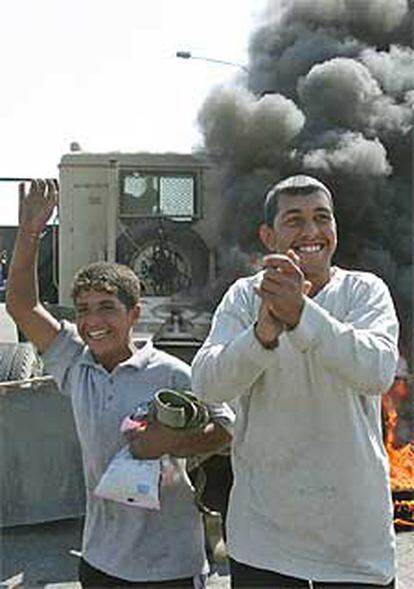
(311, 496)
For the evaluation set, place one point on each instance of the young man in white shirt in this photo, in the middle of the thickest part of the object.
(307, 349)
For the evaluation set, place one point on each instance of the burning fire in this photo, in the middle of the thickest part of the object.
(401, 456)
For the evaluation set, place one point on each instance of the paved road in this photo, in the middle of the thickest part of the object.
(45, 555)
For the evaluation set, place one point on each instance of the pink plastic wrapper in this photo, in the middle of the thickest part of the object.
(129, 424)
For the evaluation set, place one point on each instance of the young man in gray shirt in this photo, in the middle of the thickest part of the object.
(107, 376)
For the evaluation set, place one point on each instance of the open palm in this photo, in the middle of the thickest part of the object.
(37, 206)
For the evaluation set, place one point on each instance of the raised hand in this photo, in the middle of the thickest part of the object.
(22, 296)
(282, 288)
(38, 205)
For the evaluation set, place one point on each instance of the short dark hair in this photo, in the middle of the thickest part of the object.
(108, 277)
(294, 185)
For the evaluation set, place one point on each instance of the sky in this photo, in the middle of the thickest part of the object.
(104, 73)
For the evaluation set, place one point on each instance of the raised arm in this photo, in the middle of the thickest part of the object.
(22, 295)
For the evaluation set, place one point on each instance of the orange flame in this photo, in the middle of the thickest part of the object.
(401, 459)
(401, 455)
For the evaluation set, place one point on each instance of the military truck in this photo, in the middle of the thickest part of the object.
(154, 212)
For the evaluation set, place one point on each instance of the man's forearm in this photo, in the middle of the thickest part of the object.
(222, 372)
(159, 440)
(22, 296)
(22, 283)
(362, 351)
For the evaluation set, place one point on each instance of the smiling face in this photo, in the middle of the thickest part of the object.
(105, 324)
(306, 224)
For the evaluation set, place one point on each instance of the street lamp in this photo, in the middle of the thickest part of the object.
(189, 55)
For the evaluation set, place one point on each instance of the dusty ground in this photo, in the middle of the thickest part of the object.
(46, 556)
(405, 552)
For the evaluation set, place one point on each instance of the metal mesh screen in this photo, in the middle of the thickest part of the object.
(177, 196)
(146, 194)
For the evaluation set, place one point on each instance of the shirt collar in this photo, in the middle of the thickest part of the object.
(139, 359)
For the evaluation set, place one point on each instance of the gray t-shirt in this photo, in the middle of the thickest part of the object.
(127, 542)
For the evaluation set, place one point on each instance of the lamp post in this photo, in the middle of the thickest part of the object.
(14, 179)
(189, 55)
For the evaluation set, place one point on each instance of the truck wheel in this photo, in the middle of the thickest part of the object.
(164, 250)
(18, 361)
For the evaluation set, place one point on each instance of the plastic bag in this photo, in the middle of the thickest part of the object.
(130, 481)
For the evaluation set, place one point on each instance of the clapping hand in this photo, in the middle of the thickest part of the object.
(282, 291)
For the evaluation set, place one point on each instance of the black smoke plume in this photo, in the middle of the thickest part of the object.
(330, 92)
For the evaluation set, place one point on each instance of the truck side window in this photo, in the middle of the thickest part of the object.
(146, 194)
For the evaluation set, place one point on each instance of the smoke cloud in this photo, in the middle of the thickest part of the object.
(372, 16)
(248, 130)
(342, 93)
(352, 154)
(330, 91)
(393, 70)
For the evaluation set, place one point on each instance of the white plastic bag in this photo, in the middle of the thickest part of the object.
(131, 481)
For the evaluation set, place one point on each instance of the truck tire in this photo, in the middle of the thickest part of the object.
(141, 235)
(18, 361)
